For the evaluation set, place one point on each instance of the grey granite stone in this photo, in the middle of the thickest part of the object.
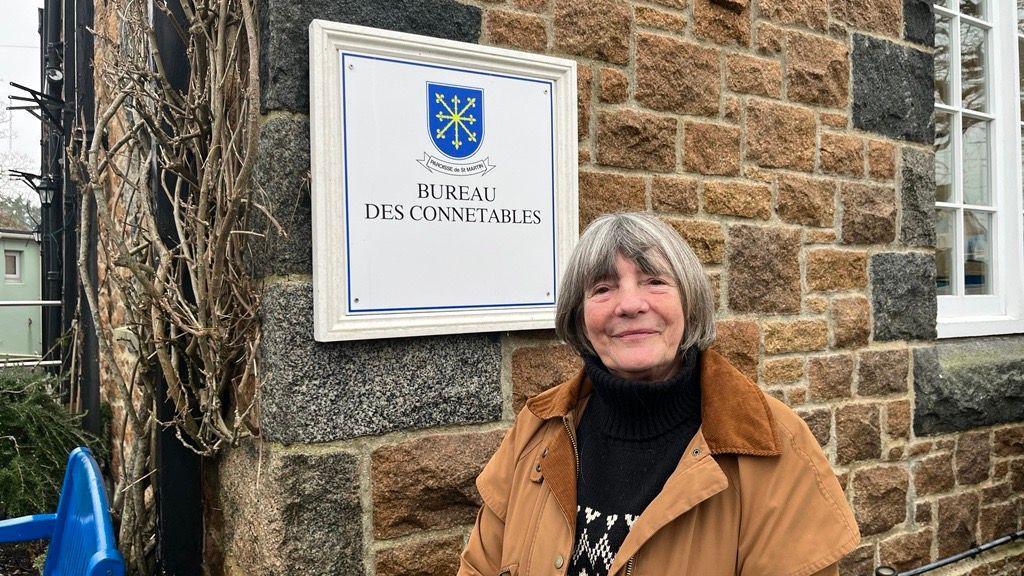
(892, 89)
(918, 24)
(965, 384)
(903, 296)
(322, 391)
(282, 172)
(284, 31)
(917, 221)
(284, 512)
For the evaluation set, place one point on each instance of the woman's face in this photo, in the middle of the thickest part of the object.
(635, 322)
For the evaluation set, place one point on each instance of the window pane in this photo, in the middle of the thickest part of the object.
(943, 158)
(974, 8)
(945, 239)
(10, 264)
(1020, 15)
(972, 67)
(975, 168)
(942, 87)
(977, 252)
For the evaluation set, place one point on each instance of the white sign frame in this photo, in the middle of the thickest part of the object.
(332, 321)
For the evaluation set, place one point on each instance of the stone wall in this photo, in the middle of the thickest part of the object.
(789, 141)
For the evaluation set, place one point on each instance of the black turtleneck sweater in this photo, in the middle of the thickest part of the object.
(630, 439)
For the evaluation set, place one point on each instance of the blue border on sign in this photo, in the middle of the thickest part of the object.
(344, 144)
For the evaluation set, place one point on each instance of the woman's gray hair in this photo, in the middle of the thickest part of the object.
(656, 249)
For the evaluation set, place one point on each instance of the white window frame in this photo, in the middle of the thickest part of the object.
(18, 259)
(1003, 311)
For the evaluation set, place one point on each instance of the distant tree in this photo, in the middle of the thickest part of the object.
(18, 208)
(17, 211)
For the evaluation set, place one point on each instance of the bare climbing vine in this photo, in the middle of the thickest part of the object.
(171, 171)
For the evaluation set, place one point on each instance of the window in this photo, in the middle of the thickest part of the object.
(978, 196)
(12, 265)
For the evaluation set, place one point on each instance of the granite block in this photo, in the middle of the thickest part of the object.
(903, 295)
(282, 174)
(284, 36)
(918, 23)
(283, 512)
(892, 89)
(965, 384)
(323, 391)
(917, 220)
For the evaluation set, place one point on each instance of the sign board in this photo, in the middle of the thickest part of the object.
(443, 184)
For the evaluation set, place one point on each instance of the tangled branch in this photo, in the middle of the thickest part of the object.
(170, 171)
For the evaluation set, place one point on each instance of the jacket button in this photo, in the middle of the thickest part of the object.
(696, 452)
(544, 454)
(559, 561)
(538, 467)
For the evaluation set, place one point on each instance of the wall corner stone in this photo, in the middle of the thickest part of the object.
(966, 384)
(282, 172)
(287, 512)
(918, 23)
(892, 89)
(903, 296)
(284, 25)
(917, 222)
(324, 391)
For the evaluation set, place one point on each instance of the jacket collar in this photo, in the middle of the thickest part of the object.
(735, 417)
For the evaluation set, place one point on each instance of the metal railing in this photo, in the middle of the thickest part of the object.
(4, 303)
(890, 571)
(27, 362)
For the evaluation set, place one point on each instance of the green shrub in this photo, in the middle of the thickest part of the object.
(36, 436)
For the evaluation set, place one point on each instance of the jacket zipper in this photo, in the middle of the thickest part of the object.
(629, 566)
(572, 440)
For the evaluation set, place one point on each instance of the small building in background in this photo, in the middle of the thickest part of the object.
(20, 326)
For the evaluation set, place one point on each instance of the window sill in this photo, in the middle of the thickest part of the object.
(979, 326)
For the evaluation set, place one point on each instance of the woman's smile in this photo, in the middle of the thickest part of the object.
(635, 322)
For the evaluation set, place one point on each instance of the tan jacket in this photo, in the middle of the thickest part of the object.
(753, 495)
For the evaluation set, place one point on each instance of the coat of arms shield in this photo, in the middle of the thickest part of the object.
(455, 119)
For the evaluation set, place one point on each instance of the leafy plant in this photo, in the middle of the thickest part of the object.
(36, 435)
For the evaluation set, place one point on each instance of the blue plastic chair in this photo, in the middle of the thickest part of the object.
(81, 537)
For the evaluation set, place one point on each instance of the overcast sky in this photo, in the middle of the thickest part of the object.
(19, 62)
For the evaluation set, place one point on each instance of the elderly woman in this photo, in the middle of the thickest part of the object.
(659, 457)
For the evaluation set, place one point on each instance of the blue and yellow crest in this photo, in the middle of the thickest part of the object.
(455, 119)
